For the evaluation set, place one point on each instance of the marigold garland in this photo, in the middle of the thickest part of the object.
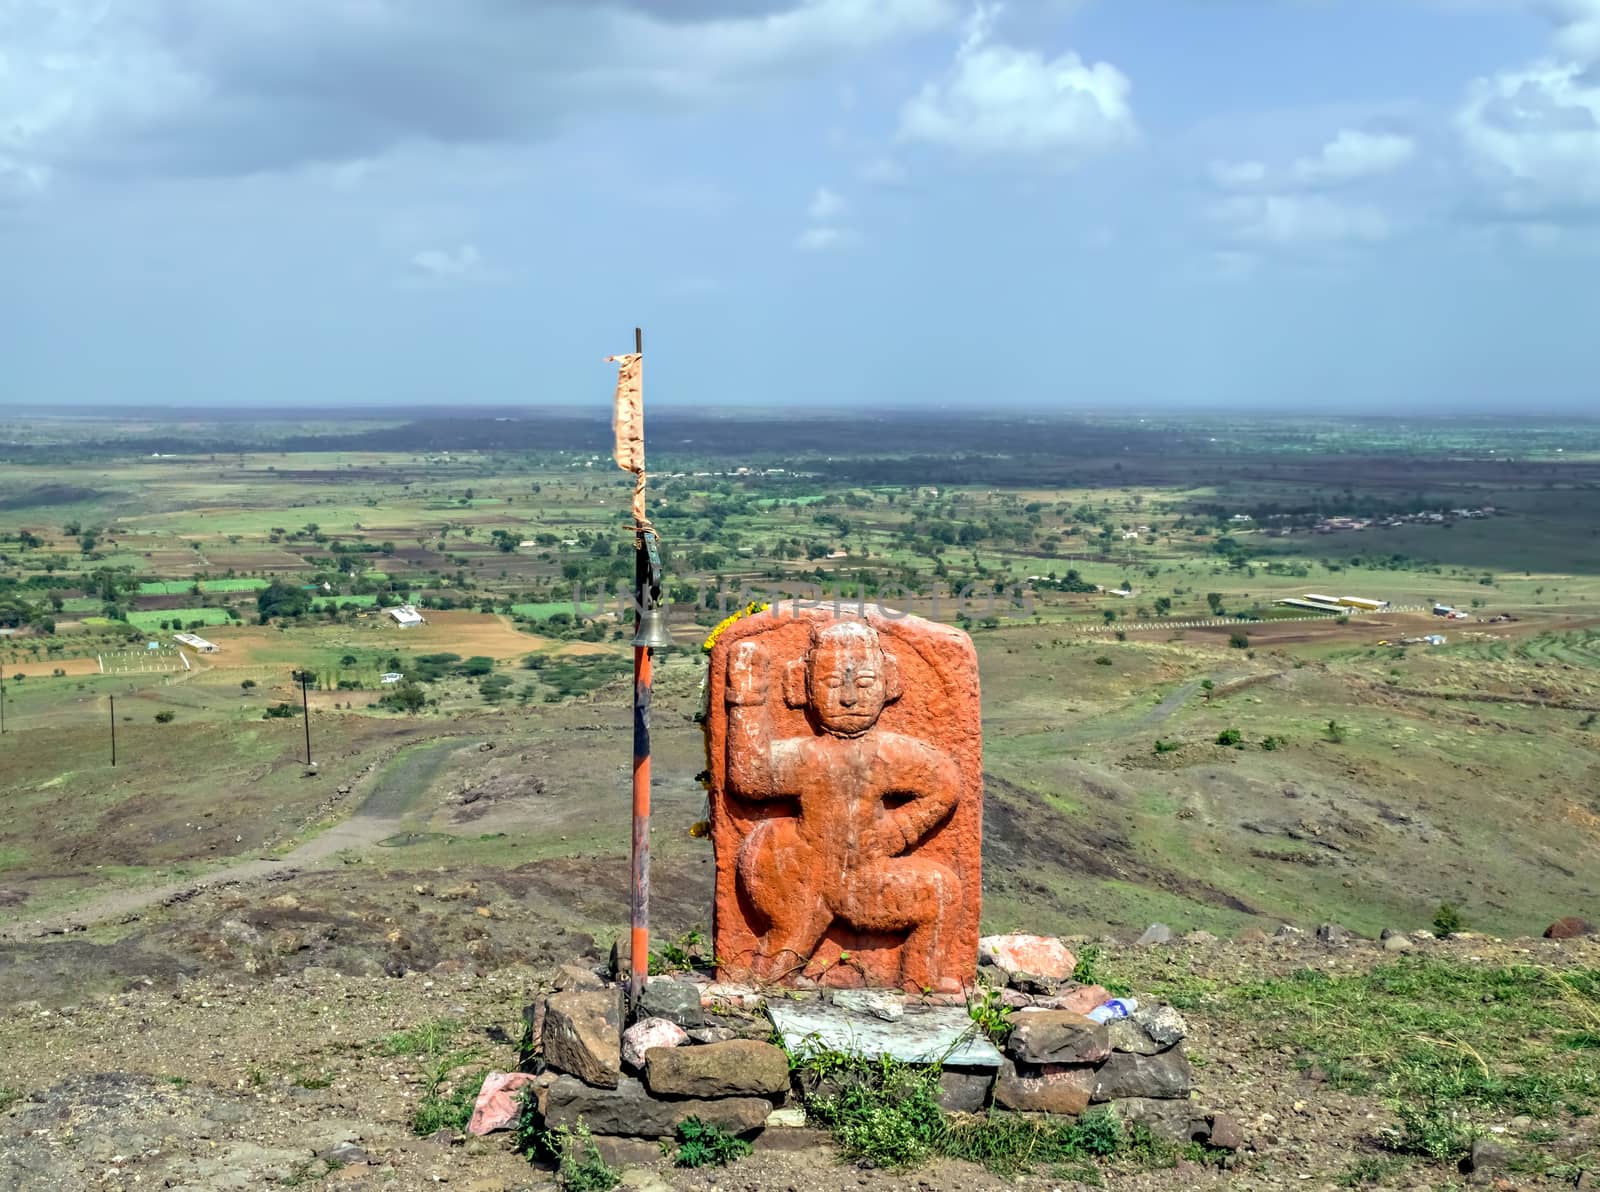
(755, 606)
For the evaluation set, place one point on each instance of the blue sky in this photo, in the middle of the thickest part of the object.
(1074, 204)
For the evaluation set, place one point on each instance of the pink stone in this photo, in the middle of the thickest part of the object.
(647, 1033)
(725, 995)
(1082, 999)
(497, 1105)
(1041, 955)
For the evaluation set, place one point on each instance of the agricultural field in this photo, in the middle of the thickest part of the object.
(1162, 740)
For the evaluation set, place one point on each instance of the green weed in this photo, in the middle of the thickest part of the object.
(447, 1104)
(703, 1145)
(1447, 920)
(431, 1038)
(1088, 972)
(1373, 1169)
(579, 1165)
(679, 956)
(993, 1018)
(9, 1096)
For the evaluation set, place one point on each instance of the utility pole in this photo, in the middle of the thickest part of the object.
(305, 711)
(113, 730)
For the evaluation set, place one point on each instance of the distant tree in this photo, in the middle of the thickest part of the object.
(1163, 605)
(247, 684)
(1239, 639)
(405, 697)
(280, 599)
(1214, 599)
(164, 717)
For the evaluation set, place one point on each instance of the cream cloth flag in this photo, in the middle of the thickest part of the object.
(627, 421)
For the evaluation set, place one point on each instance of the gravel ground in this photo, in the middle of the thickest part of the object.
(238, 1084)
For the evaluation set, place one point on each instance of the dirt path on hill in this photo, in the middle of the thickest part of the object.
(383, 812)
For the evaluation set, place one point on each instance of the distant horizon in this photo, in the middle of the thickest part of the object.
(599, 411)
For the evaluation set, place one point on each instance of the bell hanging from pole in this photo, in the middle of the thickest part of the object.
(652, 629)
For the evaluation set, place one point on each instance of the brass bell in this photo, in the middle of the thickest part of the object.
(652, 629)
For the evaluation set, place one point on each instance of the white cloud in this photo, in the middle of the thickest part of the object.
(1283, 220)
(820, 239)
(1577, 23)
(1288, 207)
(1238, 175)
(825, 205)
(997, 100)
(884, 171)
(1354, 155)
(1533, 137)
(449, 266)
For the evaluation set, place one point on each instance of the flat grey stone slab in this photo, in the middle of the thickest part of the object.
(926, 1034)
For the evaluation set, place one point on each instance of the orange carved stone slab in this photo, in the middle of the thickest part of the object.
(846, 799)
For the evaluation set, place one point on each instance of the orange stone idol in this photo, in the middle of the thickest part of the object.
(846, 799)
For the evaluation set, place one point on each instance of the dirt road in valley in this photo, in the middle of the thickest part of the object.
(387, 808)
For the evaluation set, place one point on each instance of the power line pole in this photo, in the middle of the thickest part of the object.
(305, 711)
(113, 730)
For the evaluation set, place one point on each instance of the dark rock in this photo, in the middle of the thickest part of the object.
(1569, 928)
(1389, 933)
(1156, 933)
(740, 1067)
(712, 1034)
(1044, 1088)
(1176, 1122)
(1056, 1037)
(583, 1035)
(343, 1153)
(629, 1109)
(964, 1090)
(616, 1151)
(574, 976)
(1162, 1023)
(1126, 1075)
(1332, 934)
(676, 1001)
(1029, 983)
(533, 1020)
(789, 1139)
(1226, 1134)
(621, 958)
(1485, 1158)
(1125, 1034)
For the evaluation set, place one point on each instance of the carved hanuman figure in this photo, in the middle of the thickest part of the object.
(865, 798)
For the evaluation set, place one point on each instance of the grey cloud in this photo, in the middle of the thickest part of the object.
(207, 87)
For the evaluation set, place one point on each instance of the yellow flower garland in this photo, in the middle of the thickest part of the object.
(755, 606)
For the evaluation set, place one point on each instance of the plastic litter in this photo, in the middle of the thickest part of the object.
(1117, 1007)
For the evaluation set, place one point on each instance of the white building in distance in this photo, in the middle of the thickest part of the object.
(405, 616)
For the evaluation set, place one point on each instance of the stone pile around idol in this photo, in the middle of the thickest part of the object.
(752, 1061)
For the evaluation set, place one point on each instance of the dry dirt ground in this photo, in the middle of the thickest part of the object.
(241, 1083)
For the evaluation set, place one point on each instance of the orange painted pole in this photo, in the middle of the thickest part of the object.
(640, 908)
(639, 902)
